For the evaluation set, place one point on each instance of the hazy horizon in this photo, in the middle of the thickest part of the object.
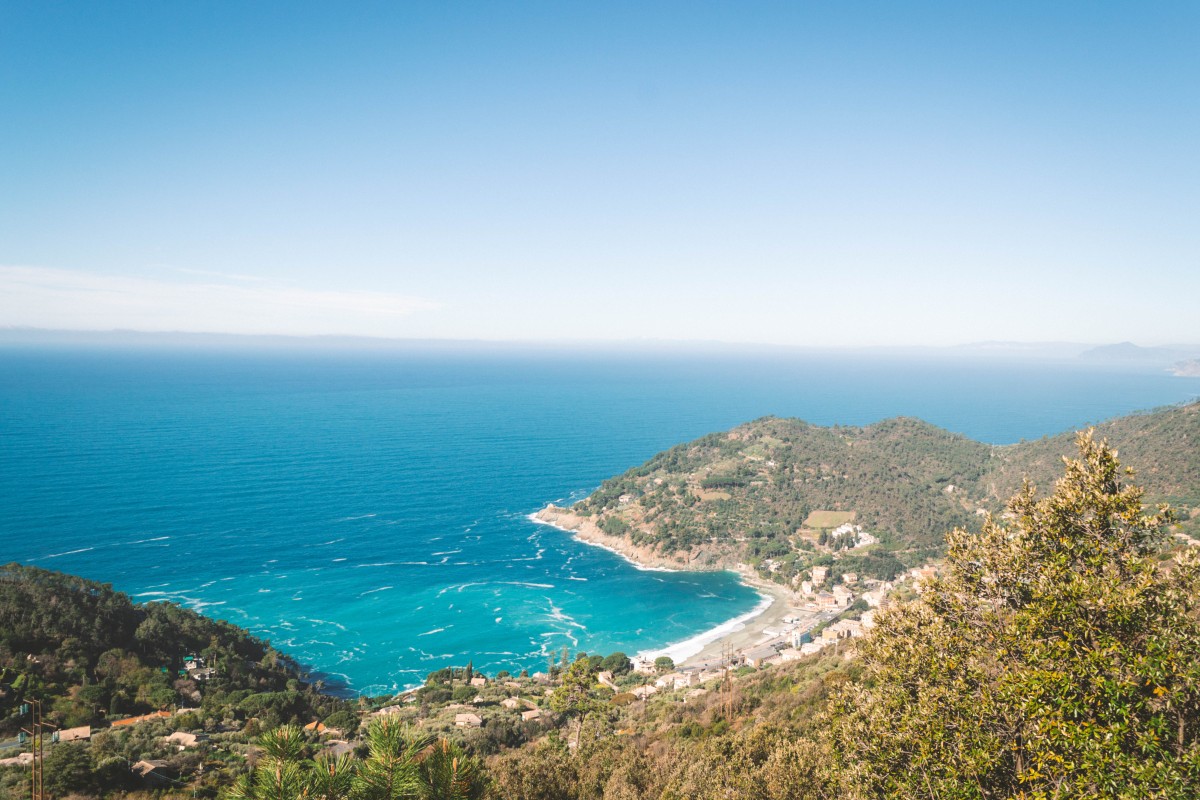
(12, 335)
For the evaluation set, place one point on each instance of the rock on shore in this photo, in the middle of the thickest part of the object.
(699, 559)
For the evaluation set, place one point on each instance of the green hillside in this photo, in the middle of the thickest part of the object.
(93, 658)
(768, 492)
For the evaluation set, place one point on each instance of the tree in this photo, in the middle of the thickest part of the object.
(68, 769)
(1054, 657)
(574, 696)
(617, 663)
(664, 664)
(281, 772)
(390, 770)
(447, 773)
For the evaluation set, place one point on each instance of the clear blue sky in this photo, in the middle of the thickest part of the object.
(796, 173)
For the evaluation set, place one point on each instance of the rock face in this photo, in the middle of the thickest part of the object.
(698, 559)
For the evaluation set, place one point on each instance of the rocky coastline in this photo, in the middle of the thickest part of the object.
(699, 559)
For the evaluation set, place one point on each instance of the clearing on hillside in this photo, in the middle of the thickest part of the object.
(828, 519)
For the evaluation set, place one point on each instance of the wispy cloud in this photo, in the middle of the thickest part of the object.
(44, 297)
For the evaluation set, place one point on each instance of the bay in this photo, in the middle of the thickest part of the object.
(367, 510)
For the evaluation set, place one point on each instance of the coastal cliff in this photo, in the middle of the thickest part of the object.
(698, 559)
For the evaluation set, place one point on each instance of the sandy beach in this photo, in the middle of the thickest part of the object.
(740, 634)
(749, 633)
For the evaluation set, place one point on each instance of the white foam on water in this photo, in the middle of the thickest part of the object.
(681, 651)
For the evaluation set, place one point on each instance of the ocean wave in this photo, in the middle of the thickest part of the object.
(435, 630)
(681, 651)
(66, 553)
(316, 621)
(373, 591)
(144, 541)
(459, 587)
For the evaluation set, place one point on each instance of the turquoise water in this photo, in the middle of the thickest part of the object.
(367, 512)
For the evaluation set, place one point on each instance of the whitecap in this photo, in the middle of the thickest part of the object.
(681, 651)
(68, 553)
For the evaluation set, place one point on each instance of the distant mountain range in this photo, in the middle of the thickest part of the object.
(1121, 353)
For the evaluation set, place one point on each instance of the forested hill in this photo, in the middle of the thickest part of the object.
(1162, 447)
(771, 491)
(93, 656)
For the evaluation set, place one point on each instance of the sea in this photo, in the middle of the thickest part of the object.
(367, 511)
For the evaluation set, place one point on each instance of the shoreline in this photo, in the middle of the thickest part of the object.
(733, 635)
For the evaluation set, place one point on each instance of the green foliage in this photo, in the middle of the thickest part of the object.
(1054, 657)
(398, 766)
(91, 653)
(68, 769)
(664, 664)
(907, 481)
(617, 663)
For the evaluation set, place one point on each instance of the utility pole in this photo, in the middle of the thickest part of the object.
(36, 732)
(727, 684)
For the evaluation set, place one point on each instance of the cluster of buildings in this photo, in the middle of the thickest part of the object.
(853, 535)
(815, 596)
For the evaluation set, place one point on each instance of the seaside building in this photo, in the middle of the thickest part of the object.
(144, 718)
(678, 680)
(759, 656)
(155, 773)
(80, 734)
(643, 665)
(469, 720)
(182, 739)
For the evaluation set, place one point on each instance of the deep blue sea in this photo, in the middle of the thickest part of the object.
(366, 511)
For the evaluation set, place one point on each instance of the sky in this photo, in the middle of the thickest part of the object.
(801, 173)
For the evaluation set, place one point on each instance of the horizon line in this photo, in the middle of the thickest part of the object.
(147, 336)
